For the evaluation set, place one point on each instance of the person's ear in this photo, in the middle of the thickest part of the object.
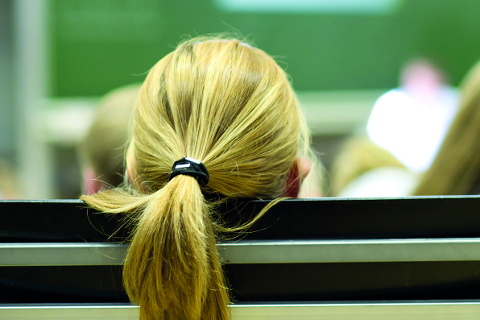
(298, 172)
(132, 175)
(90, 183)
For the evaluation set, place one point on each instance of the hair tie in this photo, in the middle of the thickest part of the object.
(190, 167)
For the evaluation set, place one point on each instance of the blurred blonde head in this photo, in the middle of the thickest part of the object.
(358, 156)
(230, 106)
(102, 150)
(457, 164)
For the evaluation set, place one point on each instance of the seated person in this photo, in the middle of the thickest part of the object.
(456, 167)
(411, 121)
(215, 119)
(102, 150)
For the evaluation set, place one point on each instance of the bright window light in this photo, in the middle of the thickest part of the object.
(310, 6)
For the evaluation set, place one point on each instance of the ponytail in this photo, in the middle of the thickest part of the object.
(172, 268)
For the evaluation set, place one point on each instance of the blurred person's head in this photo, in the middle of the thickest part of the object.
(358, 156)
(231, 109)
(103, 148)
(457, 165)
(421, 76)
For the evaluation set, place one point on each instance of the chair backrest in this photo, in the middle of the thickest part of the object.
(327, 256)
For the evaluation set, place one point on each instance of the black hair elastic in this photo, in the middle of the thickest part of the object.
(190, 167)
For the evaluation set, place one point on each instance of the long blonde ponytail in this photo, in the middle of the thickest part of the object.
(172, 266)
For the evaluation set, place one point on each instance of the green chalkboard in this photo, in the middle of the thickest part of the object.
(98, 45)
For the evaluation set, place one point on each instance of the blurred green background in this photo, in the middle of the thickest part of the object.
(100, 45)
(57, 57)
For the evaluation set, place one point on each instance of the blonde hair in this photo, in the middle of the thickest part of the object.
(230, 106)
(358, 156)
(103, 147)
(457, 164)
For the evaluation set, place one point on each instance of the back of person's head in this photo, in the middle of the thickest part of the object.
(457, 164)
(102, 150)
(230, 106)
(358, 156)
